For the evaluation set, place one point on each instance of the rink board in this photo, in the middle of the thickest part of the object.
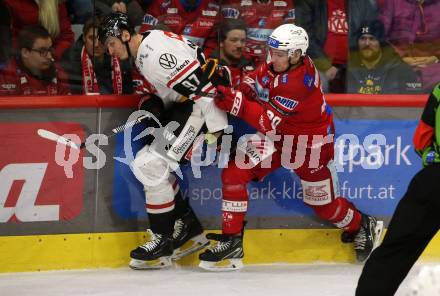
(98, 250)
(64, 210)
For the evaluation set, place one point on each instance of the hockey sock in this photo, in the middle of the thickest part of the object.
(234, 207)
(162, 223)
(341, 213)
(181, 206)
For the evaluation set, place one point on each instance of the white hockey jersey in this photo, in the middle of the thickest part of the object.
(172, 65)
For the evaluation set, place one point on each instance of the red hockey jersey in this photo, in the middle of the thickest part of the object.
(261, 18)
(198, 25)
(292, 103)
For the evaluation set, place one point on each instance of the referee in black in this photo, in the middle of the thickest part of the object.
(417, 216)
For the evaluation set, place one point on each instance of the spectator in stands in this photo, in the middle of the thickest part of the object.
(5, 35)
(232, 37)
(413, 28)
(375, 68)
(134, 9)
(90, 70)
(194, 19)
(33, 71)
(261, 17)
(332, 26)
(51, 14)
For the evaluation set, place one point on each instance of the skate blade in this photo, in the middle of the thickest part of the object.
(224, 265)
(193, 245)
(378, 230)
(159, 263)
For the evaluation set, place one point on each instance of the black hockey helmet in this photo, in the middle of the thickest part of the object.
(112, 25)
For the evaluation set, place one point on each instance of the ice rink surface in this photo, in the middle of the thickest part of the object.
(254, 280)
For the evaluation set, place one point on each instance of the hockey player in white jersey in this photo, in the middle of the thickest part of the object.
(175, 71)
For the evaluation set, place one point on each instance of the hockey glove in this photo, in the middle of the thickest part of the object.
(429, 156)
(152, 104)
(215, 73)
(229, 100)
(247, 87)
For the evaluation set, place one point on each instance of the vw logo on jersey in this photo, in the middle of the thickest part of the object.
(265, 79)
(168, 61)
(262, 22)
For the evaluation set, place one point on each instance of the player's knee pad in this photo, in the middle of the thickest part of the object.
(160, 187)
(149, 168)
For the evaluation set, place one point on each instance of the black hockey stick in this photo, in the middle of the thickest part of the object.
(69, 142)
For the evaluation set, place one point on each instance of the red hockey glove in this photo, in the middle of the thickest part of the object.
(229, 100)
(247, 87)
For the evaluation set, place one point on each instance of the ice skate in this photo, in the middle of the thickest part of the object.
(225, 255)
(347, 237)
(188, 236)
(154, 254)
(368, 237)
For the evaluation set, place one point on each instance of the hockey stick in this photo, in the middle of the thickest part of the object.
(57, 138)
(68, 142)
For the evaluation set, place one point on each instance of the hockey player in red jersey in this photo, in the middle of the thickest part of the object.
(283, 99)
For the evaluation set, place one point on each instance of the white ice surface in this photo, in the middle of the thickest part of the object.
(254, 280)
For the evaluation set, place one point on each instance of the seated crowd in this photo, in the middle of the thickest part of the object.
(358, 46)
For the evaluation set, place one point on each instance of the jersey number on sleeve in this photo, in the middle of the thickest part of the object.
(191, 82)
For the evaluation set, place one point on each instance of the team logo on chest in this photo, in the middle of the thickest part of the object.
(167, 61)
(287, 103)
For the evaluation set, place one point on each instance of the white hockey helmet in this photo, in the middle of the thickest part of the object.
(289, 37)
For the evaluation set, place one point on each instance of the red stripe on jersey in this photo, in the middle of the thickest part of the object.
(195, 98)
(161, 206)
(184, 71)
